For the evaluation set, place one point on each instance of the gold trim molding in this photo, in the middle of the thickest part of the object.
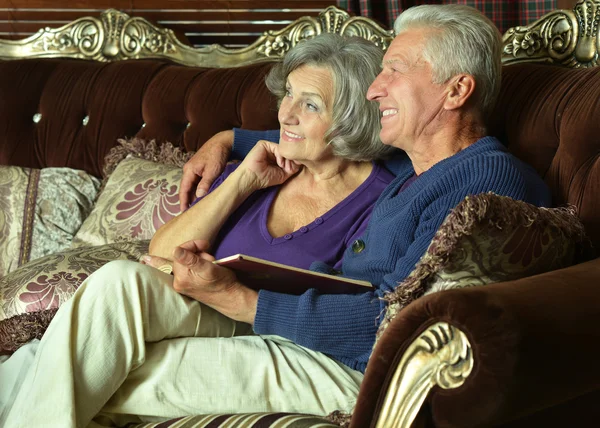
(440, 356)
(569, 38)
(116, 36)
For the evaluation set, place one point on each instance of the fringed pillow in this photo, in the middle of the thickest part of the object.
(140, 193)
(30, 296)
(489, 238)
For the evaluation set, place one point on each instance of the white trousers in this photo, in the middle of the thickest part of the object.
(128, 348)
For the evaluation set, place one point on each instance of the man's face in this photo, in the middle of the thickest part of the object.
(409, 101)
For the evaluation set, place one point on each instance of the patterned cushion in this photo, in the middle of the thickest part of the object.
(252, 420)
(40, 211)
(140, 195)
(489, 238)
(30, 295)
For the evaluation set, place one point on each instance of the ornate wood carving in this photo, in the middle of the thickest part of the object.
(563, 37)
(440, 356)
(116, 36)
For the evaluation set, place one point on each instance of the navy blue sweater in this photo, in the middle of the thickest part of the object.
(401, 227)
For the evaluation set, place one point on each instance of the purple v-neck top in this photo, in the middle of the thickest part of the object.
(325, 238)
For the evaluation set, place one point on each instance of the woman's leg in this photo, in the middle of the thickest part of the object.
(99, 336)
(247, 374)
(12, 374)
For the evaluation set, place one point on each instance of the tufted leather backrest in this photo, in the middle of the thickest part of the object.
(549, 116)
(70, 112)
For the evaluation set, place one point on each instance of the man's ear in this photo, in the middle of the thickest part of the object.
(460, 88)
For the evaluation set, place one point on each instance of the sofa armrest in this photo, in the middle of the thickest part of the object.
(534, 345)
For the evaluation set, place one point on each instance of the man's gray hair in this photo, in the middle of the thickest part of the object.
(466, 41)
(354, 63)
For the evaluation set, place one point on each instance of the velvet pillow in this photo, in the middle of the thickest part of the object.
(489, 238)
(40, 211)
(30, 295)
(140, 193)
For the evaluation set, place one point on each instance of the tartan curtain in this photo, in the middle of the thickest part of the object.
(505, 14)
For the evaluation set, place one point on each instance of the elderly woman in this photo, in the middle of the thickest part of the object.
(327, 142)
(129, 347)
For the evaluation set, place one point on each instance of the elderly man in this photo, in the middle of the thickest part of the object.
(439, 81)
(307, 353)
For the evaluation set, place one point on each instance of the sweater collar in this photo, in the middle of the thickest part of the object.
(482, 145)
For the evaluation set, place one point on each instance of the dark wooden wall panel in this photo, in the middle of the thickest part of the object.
(235, 23)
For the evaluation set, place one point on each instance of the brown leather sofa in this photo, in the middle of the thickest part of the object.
(519, 353)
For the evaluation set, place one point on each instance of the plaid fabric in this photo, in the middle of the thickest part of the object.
(505, 14)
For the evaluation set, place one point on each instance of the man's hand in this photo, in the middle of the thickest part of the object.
(263, 166)
(204, 167)
(196, 276)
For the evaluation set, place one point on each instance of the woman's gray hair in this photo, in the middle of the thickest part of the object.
(466, 42)
(354, 63)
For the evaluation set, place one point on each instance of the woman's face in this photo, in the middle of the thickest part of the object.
(305, 115)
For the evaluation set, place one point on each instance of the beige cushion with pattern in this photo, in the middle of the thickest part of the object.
(40, 211)
(30, 295)
(489, 238)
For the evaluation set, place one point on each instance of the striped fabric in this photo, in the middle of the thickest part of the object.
(252, 420)
(505, 14)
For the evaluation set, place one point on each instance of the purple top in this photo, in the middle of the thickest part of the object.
(325, 238)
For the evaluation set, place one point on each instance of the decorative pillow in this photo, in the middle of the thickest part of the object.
(30, 295)
(40, 211)
(489, 238)
(140, 193)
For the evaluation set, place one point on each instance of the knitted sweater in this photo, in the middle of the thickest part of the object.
(400, 229)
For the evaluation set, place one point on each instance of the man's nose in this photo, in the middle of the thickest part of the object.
(377, 89)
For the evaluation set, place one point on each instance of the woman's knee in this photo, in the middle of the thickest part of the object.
(116, 277)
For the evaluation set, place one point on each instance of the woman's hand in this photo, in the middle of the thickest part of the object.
(264, 166)
(196, 276)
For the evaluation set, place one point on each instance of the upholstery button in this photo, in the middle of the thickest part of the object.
(358, 246)
(304, 229)
(288, 236)
(37, 117)
(318, 220)
(85, 120)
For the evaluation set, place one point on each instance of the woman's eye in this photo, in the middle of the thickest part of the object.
(288, 93)
(312, 107)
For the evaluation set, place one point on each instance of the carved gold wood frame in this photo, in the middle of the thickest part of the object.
(569, 38)
(117, 36)
(440, 356)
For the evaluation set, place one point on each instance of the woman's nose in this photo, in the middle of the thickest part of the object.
(288, 114)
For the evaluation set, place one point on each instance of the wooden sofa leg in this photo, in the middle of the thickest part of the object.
(440, 356)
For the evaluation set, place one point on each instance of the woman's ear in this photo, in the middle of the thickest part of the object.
(460, 88)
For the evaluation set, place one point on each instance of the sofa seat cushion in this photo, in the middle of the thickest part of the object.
(249, 420)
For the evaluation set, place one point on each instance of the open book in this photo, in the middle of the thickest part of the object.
(262, 274)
